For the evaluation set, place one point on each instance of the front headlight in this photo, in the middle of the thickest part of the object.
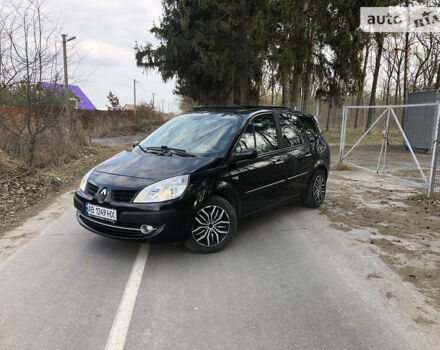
(164, 190)
(83, 183)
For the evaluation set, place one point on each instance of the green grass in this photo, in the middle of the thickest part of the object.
(352, 135)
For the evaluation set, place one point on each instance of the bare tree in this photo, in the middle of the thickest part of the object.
(29, 53)
(424, 66)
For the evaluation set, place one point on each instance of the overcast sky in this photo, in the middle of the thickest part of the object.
(106, 32)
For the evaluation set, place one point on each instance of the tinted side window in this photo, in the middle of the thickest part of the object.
(265, 133)
(310, 127)
(247, 140)
(291, 130)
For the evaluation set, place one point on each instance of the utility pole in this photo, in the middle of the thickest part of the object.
(66, 80)
(134, 95)
(153, 100)
(163, 110)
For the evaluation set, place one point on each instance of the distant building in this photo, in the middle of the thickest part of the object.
(128, 107)
(83, 100)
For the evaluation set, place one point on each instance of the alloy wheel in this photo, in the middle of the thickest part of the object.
(319, 188)
(211, 226)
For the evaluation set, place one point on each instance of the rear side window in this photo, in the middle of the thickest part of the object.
(260, 134)
(310, 127)
(291, 130)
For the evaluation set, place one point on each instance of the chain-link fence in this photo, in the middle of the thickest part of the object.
(403, 148)
(383, 149)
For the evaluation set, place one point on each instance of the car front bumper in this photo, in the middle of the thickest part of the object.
(169, 223)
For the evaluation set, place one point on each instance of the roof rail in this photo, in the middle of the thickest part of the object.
(240, 107)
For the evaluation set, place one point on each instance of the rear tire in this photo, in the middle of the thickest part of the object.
(315, 192)
(214, 225)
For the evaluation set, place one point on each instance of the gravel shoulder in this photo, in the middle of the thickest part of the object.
(393, 221)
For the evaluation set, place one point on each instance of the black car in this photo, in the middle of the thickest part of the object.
(198, 174)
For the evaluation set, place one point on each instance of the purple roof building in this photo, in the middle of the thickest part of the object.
(83, 103)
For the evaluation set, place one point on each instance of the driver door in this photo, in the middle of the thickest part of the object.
(261, 181)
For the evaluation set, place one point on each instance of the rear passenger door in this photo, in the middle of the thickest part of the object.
(261, 181)
(296, 146)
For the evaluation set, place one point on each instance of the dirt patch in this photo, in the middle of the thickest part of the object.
(423, 321)
(24, 192)
(341, 167)
(399, 224)
(373, 275)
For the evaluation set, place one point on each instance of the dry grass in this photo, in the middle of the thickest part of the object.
(116, 123)
(50, 138)
(17, 182)
(55, 139)
(353, 135)
(341, 167)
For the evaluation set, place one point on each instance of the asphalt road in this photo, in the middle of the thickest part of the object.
(287, 281)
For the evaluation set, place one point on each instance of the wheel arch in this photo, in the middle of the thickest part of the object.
(321, 166)
(228, 192)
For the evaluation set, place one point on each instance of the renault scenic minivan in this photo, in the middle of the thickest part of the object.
(195, 177)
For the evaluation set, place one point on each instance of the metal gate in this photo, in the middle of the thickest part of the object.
(428, 182)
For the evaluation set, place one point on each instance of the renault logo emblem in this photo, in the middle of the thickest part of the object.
(102, 194)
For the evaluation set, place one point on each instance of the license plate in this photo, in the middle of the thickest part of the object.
(101, 212)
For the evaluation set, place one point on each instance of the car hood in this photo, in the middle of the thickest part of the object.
(153, 167)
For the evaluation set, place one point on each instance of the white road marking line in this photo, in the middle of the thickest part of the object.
(118, 333)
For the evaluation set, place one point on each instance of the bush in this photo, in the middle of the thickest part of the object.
(46, 137)
(114, 123)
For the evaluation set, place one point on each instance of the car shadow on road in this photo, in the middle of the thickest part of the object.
(253, 228)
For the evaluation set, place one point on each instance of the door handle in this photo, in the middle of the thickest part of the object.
(279, 160)
(308, 155)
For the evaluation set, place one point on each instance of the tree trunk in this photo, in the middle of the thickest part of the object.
(379, 41)
(308, 72)
(294, 89)
(230, 98)
(327, 123)
(361, 85)
(305, 21)
(437, 80)
(229, 91)
(284, 92)
(243, 46)
(397, 92)
(244, 90)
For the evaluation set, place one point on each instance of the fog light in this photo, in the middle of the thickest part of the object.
(146, 229)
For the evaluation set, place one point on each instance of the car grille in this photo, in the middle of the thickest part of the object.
(123, 195)
(91, 189)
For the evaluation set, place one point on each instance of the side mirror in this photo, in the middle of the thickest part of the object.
(135, 143)
(248, 153)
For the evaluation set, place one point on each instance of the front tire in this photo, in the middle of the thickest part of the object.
(214, 225)
(315, 193)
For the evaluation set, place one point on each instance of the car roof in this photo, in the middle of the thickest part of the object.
(248, 111)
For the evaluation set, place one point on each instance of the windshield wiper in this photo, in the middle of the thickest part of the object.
(171, 150)
(143, 149)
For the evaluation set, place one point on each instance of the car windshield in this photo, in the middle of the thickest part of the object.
(201, 133)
